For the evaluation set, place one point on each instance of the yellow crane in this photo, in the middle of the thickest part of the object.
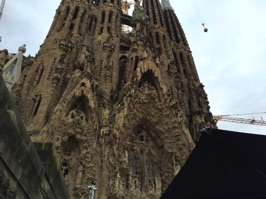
(233, 118)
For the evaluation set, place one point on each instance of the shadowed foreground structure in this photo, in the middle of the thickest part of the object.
(223, 165)
(22, 173)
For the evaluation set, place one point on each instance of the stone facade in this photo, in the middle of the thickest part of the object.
(122, 108)
(3, 57)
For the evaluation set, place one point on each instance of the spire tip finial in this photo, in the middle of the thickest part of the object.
(166, 5)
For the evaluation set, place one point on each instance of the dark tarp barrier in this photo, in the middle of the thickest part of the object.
(224, 164)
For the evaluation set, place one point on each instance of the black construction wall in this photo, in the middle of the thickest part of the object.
(22, 173)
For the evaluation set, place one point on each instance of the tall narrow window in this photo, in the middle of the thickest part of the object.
(157, 38)
(182, 58)
(75, 13)
(90, 22)
(175, 57)
(117, 26)
(65, 17)
(71, 27)
(122, 68)
(103, 17)
(39, 75)
(102, 22)
(37, 103)
(67, 12)
(175, 29)
(81, 25)
(136, 63)
(110, 17)
(92, 25)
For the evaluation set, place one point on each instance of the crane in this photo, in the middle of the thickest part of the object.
(2, 8)
(197, 12)
(231, 118)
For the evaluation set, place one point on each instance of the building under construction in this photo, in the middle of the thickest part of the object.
(123, 109)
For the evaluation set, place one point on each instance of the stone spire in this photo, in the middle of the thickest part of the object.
(154, 11)
(174, 27)
(166, 5)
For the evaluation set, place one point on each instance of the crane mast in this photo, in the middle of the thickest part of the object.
(2, 8)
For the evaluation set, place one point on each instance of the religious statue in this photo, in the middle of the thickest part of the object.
(126, 6)
(85, 59)
(77, 116)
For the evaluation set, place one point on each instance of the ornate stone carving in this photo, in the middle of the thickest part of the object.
(146, 91)
(76, 116)
(172, 71)
(85, 60)
(66, 45)
(108, 73)
(108, 45)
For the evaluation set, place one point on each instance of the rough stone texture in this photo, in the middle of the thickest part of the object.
(3, 57)
(22, 174)
(123, 109)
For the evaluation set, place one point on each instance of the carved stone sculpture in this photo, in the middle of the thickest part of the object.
(123, 109)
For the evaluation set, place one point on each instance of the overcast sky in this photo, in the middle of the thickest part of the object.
(230, 58)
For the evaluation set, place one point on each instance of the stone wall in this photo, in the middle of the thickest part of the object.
(22, 173)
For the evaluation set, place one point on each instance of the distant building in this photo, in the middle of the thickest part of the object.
(123, 109)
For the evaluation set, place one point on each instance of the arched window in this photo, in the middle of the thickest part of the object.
(147, 78)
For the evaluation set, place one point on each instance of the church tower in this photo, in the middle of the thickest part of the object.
(123, 108)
